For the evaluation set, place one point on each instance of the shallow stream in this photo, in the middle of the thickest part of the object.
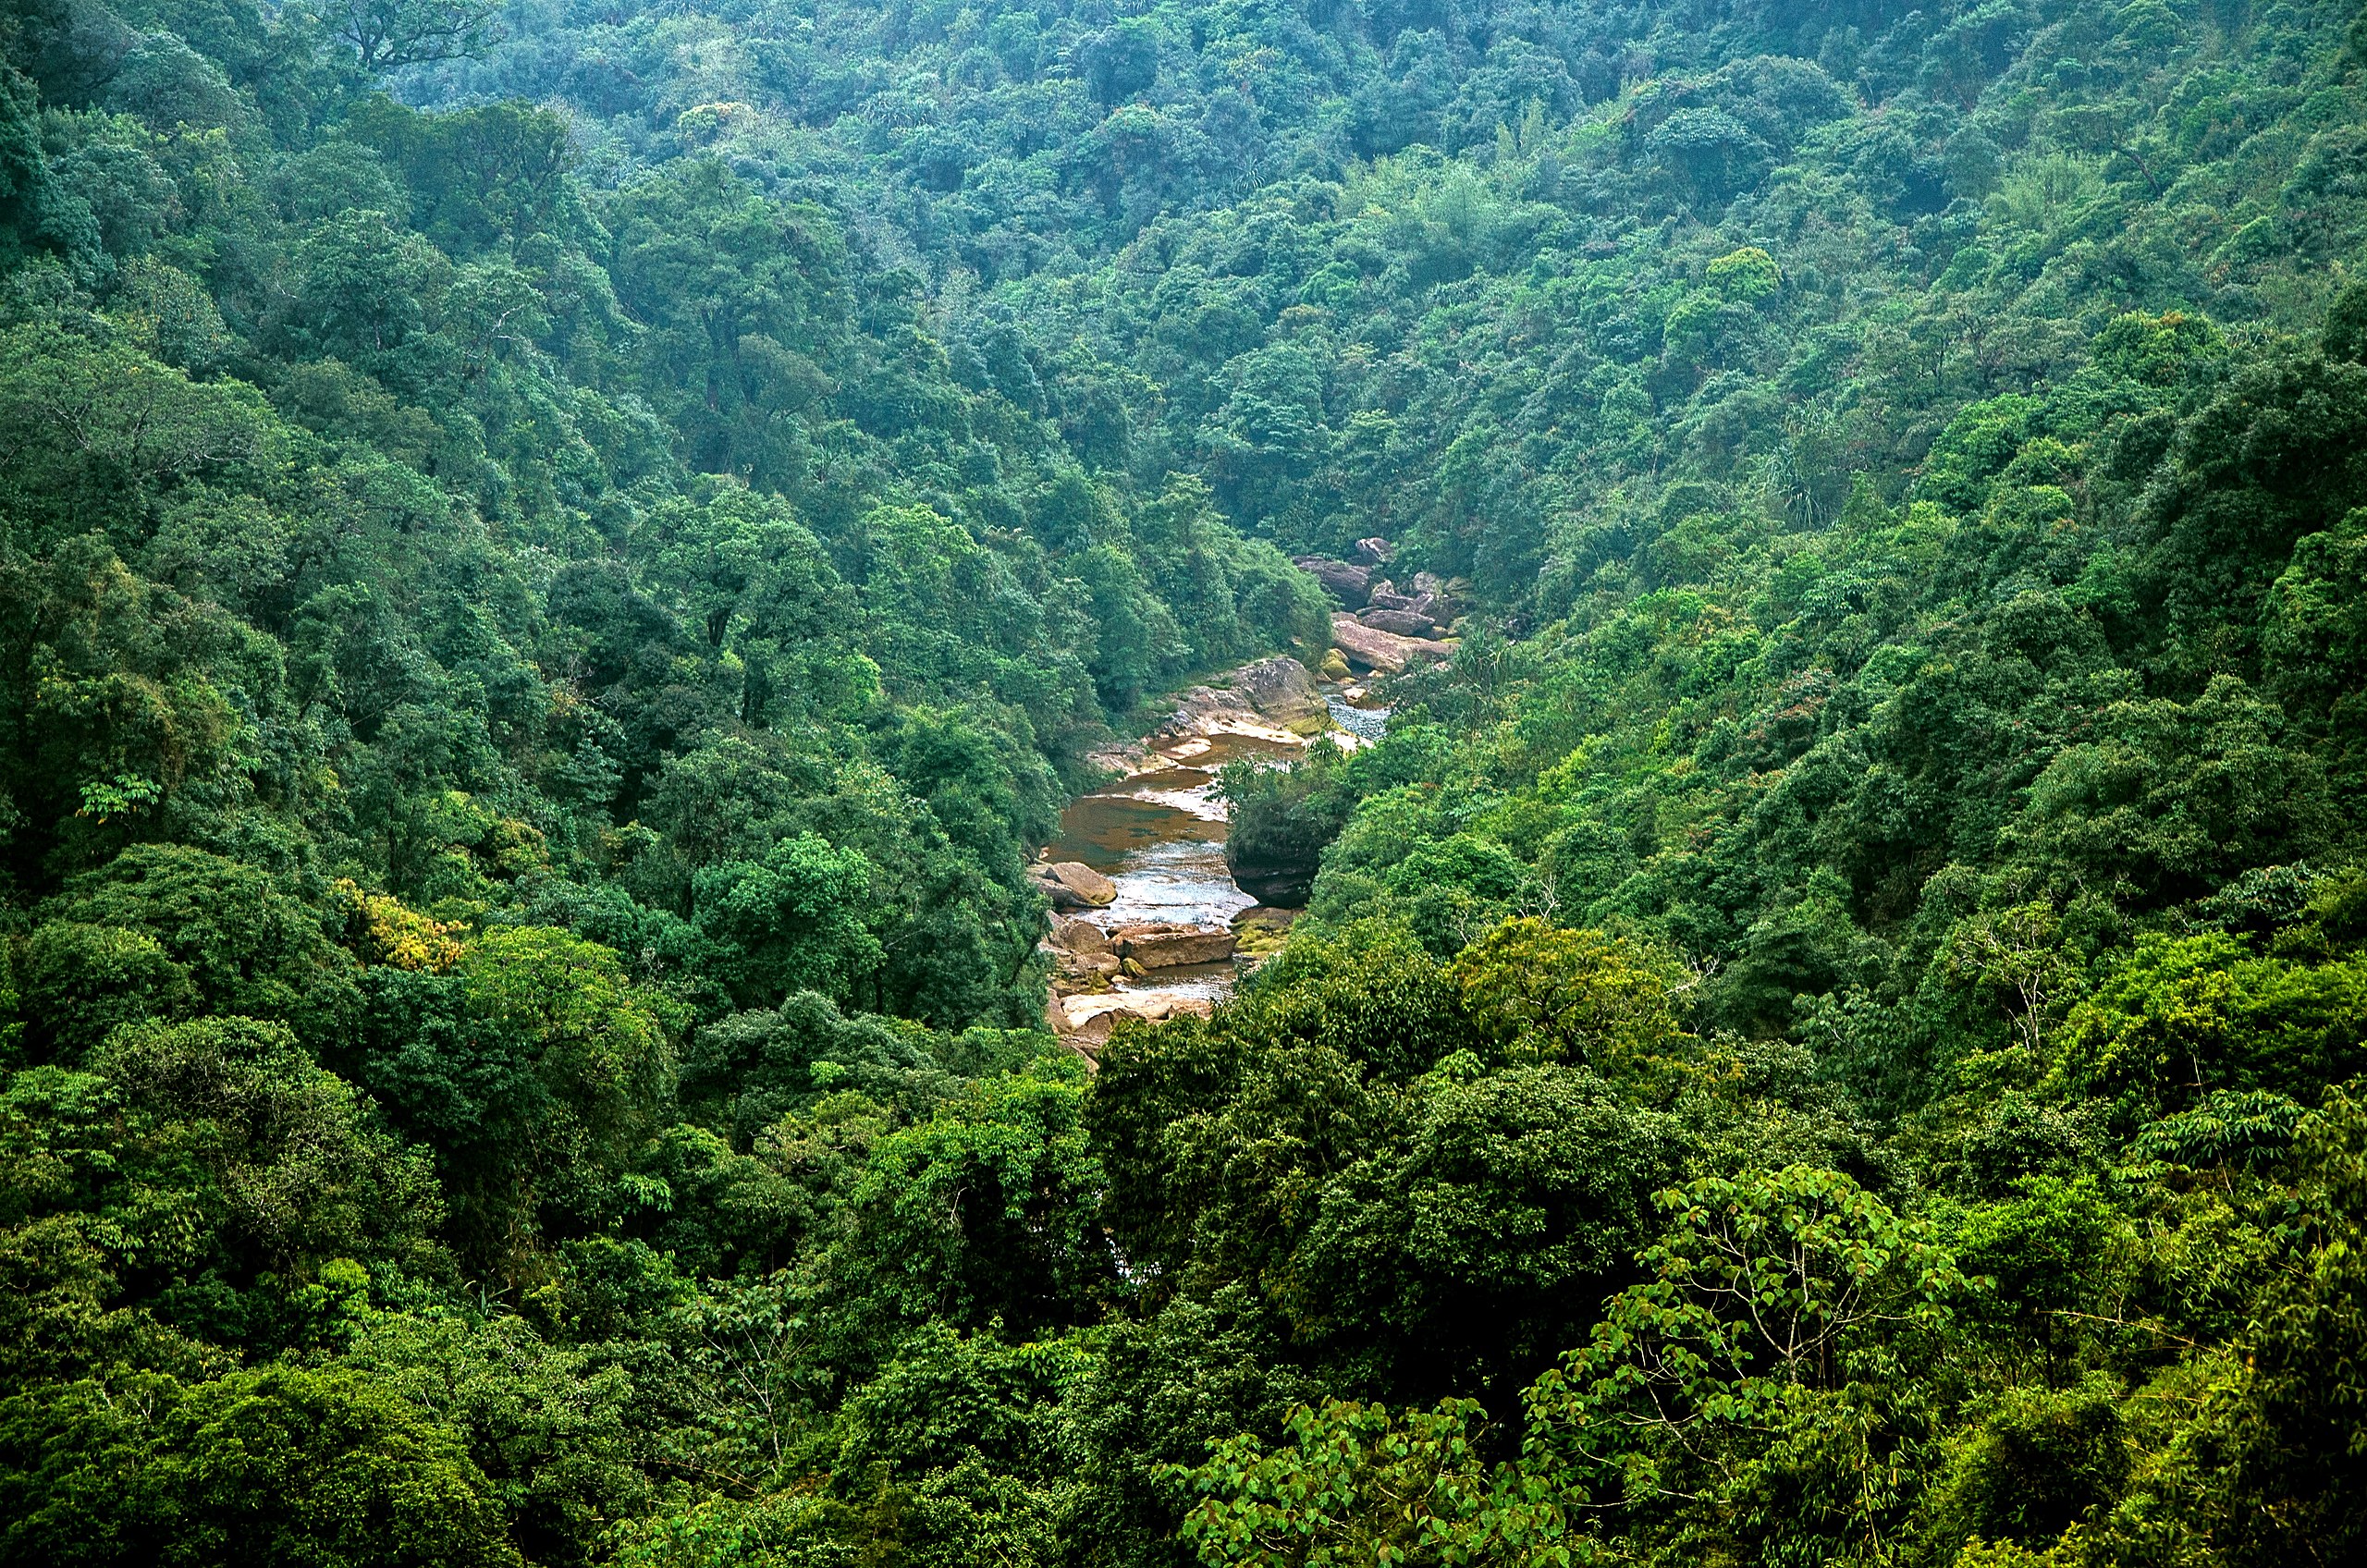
(1159, 837)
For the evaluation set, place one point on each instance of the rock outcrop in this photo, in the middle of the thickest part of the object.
(1280, 883)
(1280, 689)
(1087, 1029)
(1403, 623)
(1165, 946)
(1071, 884)
(1274, 699)
(1344, 583)
(1383, 651)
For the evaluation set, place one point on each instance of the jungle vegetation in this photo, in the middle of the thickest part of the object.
(559, 559)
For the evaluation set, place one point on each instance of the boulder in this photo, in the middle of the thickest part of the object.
(1074, 1013)
(1383, 651)
(1164, 945)
(1280, 689)
(1346, 584)
(1123, 758)
(1208, 710)
(1279, 881)
(1080, 937)
(1375, 551)
(1086, 973)
(1334, 666)
(1093, 1033)
(1404, 623)
(1071, 884)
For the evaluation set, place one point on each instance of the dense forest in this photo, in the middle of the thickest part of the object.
(559, 561)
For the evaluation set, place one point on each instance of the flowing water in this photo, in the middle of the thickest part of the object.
(1365, 724)
(1159, 837)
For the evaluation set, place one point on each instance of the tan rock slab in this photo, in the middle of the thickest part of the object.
(1166, 945)
(1279, 688)
(1383, 651)
(1071, 884)
(1079, 936)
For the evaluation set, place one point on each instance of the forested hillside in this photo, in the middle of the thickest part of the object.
(558, 562)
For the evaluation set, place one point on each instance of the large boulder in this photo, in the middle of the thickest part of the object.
(1404, 623)
(1071, 884)
(1344, 583)
(1383, 651)
(1079, 936)
(1203, 711)
(1280, 689)
(1375, 551)
(1090, 1033)
(1164, 945)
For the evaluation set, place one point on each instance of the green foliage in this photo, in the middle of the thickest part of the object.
(793, 918)
(277, 1466)
(555, 569)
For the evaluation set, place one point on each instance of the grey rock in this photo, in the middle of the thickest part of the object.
(1349, 584)
(1404, 623)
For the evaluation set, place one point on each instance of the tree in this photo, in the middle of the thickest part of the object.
(791, 922)
(1730, 1373)
(273, 1468)
(247, 943)
(92, 437)
(986, 1212)
(386, 35)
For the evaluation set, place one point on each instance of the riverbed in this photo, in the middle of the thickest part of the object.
(1158, 836)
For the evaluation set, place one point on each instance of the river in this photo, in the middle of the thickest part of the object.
(1158, 836)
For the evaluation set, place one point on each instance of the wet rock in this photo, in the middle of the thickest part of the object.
(1164, 945)
(1404, 623)
(1071, 884)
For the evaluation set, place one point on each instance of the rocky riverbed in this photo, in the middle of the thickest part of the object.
(1147, 922)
